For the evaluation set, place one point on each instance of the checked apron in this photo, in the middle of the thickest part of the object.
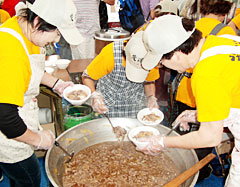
(122, 97)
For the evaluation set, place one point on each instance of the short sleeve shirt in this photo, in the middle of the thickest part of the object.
(15, 69)
(184, 92)
(216, 82)
(104, 63)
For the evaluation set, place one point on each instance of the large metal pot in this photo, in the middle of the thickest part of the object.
(99, 130)
(106, 36)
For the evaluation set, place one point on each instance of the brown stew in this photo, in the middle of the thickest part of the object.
(109, 164)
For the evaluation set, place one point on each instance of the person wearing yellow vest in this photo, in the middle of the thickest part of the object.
(213, 13)
(25, 36)
(175, 43)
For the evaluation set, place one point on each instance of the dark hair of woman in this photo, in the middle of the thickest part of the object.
(30, 16)
(190, 43)
(217, 7)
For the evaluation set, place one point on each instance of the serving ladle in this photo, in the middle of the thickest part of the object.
(64, 150)
(175, 124)
(118, 131)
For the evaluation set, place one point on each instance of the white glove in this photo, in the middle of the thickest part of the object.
(233, 117)
(47, 139)
(98, 103)
(152, 102)
(60, 85)
(155, 145)
(187, 116)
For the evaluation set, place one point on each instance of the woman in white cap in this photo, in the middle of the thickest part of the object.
(22, 70)
(176, 44)
(213, 14)
(120, 91)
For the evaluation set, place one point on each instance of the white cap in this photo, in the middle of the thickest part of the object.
(162, 36)
(135, 52)
(168, 6)
(60, 13)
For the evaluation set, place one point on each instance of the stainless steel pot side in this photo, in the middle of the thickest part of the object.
(99, 130)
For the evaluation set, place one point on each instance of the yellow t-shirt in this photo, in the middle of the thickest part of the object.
(4, 15)
(216, 82)
(15, 69)
(237, 12)
(236, 20)
(103, 64)
(184, 92)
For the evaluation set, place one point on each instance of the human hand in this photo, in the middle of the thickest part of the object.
(98, 103)
(47, 139)
(152, 102)
(60, 86)
(187, 116)
(155, 145)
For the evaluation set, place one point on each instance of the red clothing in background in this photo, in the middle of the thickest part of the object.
(9, 6)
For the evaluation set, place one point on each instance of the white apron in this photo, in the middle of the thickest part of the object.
(233, 124)
(233, 120)
(12, 151)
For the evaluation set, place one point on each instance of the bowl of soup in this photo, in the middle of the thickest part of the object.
(77, 94)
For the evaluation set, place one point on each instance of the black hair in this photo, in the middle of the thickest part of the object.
(217, 7)
(190, 43)
(29, 16)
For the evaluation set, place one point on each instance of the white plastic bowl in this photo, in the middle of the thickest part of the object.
(49, 63)
(133, 132)
(49, 70)
(77, 87)
(62, 63)
(147, 111)
(53, 58)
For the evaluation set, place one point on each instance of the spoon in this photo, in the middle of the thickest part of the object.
(64, 150)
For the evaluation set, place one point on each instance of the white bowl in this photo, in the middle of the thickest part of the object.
(62, 63)
(133, 132)
(49, 70)
(77, 87)
(49, 63)
(53, 58)
(147, 111)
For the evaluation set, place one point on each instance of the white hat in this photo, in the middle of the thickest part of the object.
(168, 6)
(162, 36)
(135, 52)
(60, 13)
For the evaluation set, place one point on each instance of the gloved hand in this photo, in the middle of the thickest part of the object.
(47, 139)
(152, 102)
(233, 117)
(98, 103)
(60, 85)
(155, 145)
(187, 116)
